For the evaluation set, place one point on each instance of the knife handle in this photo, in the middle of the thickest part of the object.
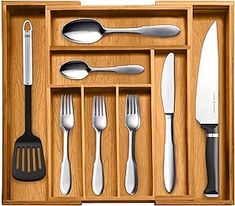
(169, 156)
(212, 160)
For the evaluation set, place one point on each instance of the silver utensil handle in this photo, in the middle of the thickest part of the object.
(127, 69)
(169, 156)
(65, 176)
(98, 174)
(27, 54)
(131, 179)
(158, 30)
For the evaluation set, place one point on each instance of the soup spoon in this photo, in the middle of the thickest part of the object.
(90, 31)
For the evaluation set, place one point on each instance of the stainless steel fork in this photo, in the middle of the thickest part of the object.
(132, 123)
(99, 122)
(66, 124)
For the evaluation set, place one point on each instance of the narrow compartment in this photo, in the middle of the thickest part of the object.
(143, 142)
(74, 146)
(108, 143)
(14, 104)
(180, 125)
(201, 23)
(122, 18)
(102, 59)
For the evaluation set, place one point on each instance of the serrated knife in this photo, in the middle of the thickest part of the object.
(207, 106)
(168, 100)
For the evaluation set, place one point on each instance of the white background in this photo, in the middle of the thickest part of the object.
(90, 2)
(84, 2)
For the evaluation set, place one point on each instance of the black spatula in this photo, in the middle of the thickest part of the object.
(28, 159)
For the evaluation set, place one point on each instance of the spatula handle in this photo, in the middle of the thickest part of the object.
(27, 53)
(27, 72)
(28, 121)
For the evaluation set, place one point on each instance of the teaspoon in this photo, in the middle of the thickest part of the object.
(78, 69)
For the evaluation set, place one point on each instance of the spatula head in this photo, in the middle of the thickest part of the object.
(28, 159)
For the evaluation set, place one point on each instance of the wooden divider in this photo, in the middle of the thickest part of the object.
(51, 50)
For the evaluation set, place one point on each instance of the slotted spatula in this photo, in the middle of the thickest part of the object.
(28, 159)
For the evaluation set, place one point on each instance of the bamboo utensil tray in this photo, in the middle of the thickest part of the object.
(50, 50)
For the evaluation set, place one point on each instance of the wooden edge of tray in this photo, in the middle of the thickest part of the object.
(158, 200)
(199, 2)
(39, 2)
(118, 7)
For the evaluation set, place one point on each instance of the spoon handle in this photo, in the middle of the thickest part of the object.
(127, 69)
(158, 30)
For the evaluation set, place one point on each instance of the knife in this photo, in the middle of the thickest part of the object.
(207, 107)
(168, 100)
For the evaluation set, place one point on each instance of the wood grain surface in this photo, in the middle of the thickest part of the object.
(15, 98)
(122, 19)
(102, 59)
(50, 50)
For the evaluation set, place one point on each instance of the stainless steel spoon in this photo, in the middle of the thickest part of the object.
(79, 70)
(90, 31)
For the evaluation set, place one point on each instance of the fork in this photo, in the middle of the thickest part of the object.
(66, 124)
(132, 123)
(99, 122)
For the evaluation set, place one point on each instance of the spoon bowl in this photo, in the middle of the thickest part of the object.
(75, 69)
(83, 31)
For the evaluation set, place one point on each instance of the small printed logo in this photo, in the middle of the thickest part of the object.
(214, 103)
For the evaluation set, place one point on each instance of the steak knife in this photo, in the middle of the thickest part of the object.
(168, 100)
(207, 107)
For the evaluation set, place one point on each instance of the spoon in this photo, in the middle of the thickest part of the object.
(80, 70)
(90, 31)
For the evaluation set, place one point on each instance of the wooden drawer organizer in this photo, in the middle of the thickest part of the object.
(50, 50)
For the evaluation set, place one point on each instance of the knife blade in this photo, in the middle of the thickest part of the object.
(207, 106)
(168, 100)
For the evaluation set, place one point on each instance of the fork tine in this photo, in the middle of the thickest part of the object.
(93, 107)
(71, 104)
(96, 106)
(103, 106)
(129, 104)
(135, 104)
(64, 105)
(100, 106)
(61, 106)
(138, 105)
(131, 108)
(67, 104)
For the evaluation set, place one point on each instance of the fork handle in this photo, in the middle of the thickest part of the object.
(131, 179)
(98, 174)
(65, 176)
